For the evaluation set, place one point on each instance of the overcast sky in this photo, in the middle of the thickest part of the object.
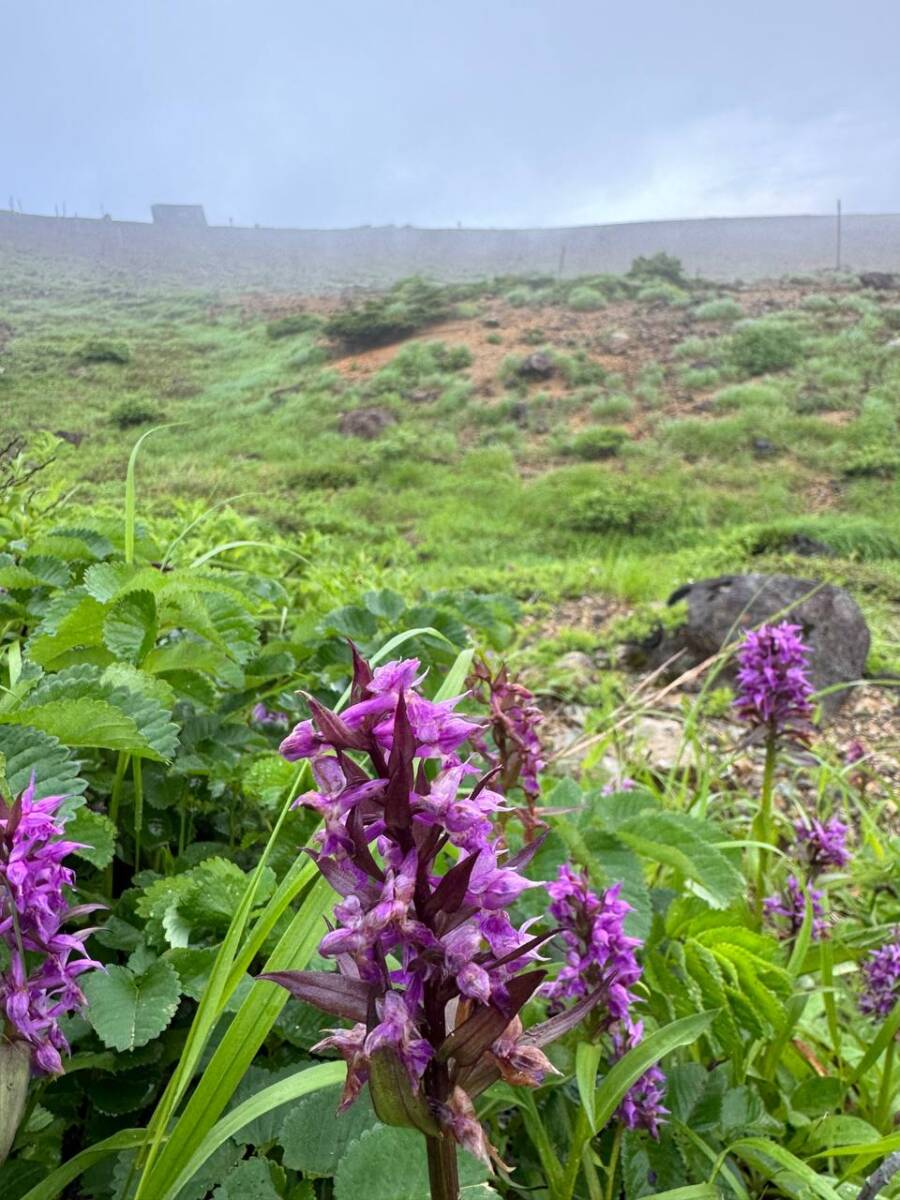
(484, 112)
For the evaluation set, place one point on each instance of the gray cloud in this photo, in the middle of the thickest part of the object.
(487, 112)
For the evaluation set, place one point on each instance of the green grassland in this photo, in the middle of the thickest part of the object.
(681, 430)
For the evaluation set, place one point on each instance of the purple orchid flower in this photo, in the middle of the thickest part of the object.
(882, 981)
(790, 907)
(515, 718)
(39, 985)
(430, 969)
(824, 843)
(600, 956)
(773, 688)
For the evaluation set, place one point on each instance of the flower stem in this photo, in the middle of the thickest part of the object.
(763, 825)
(614, 1162)
(443, 1174)
(884, 1118)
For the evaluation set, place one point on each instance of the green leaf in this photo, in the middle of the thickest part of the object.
(817, 1096)
(632, 1065)
(128, 1010)
(648, 1165)
(56, 1182)
(81, 626)
(686, 845)
(389, 1163)
(96, 832)
(299, 1084)
(104, 581)
(250, 1180)
(28, 751)
(315, 1136)
(587, 1060)
(130, 626)
(84, 723)
(784, 1169)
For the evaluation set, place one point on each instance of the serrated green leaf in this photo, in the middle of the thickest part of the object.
(105, 580)
(130, 626)
(28, 751)
(85, 723)
(389, 1163)
(82, 626)
(133, 679)
(686, 845)
(315, 1136)
(128, 1010)
(250, 1180)
(96, 832)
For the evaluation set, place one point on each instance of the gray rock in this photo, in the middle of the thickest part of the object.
(879, 280)
(537, 366)
(720, 610)
(367, 423)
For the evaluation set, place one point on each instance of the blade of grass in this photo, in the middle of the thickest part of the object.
(312, 1079)
(57, 1181)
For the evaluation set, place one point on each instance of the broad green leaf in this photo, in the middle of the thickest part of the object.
(96, 833)
(250, 1180)
(388, 1163)
(28, 751)
(315, 1136)
(632, 1065)
(818, 1095)
(686, 845)
(82, 626)
(105, 580)
(130, 626)
(587, 1060)
(129, 1010)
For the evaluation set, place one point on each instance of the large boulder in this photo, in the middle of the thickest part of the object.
(720, 610)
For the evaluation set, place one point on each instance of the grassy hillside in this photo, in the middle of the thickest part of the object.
(544, 438)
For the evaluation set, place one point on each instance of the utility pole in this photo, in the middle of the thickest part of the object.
(838, 238)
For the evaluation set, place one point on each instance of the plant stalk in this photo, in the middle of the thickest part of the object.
(764, 831)
(443, 1172)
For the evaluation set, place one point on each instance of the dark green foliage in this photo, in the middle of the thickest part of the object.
(762, 346)
(104, 350)
(408, 307)
(302, 322)
(131, 413)
(660, 266)
(620, 505)
(593, 444)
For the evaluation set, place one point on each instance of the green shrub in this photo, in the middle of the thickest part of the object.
(586, 299)
(302, 322)
(662, 293)
(818, 303)
(131, 413)
(879, 462)
(615, 406)
(103, 350)
(759, 347)
(594, 444)
(617, 504)
(409, 306)
(325, 476)
(724, 309)
(748, 395)
(519, 297)
(658, 266)
(312, 356)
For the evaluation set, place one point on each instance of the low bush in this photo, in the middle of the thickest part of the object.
(721, 310)
(621, 505)
(131, 413)
(659, 266)
(408, 307)
(612, 407)
(290, 326)
(586, 299)
(104, 350)
(662, 293)
(592, 445)
(759, 347)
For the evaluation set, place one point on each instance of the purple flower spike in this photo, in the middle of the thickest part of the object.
(882, 981)
(790, 907)
(825, 843)
(600, 956)
(39, 985)
(773, 688)
(429, 965)
(268, 716)
(514, 726)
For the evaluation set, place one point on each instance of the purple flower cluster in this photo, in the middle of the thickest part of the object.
(429, 964)
(773, 688)
(882, 981)
(824, 843)
(600, 956)
(619, 783)
(514, 721)
(262, 715)
(790, 906)
(39, 984)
